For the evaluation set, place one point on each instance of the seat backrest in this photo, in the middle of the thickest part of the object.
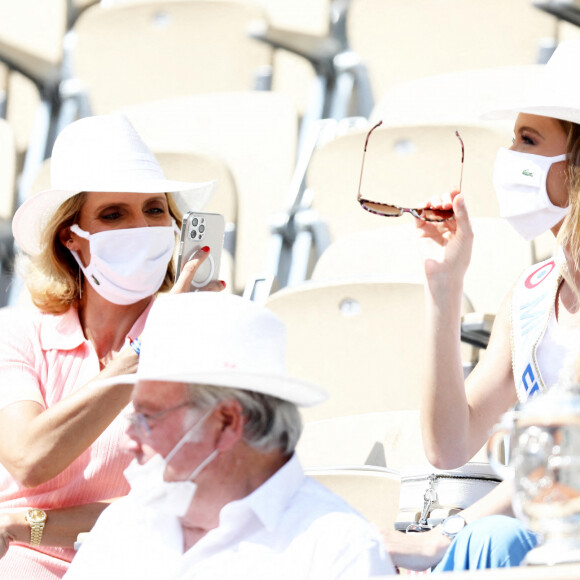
(189, 166)
(499, 255)
(7, 171)
(254, 132)
(397, 44)
(137, 52)
(307, 16)
(361, 341)
(391, 251)
(384, 439)
(405, 165)
(457, 96)
(373, 493)
(36, 27)
(389, 439)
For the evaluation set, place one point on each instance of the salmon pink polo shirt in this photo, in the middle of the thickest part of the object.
(45, 358)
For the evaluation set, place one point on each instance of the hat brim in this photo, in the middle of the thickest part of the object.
(297, 391)
(32, 217)
(512, 110)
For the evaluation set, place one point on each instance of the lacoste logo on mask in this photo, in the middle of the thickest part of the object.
(527, 173)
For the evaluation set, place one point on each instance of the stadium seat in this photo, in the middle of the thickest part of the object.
(383, 439)
(405, 165)
(400, 41)
(458, 96)
(361, 340)
(132, 53)
(499, 254)
(372, 492)
(34, 77)
(35, 27)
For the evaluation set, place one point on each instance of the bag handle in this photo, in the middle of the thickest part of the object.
(429, 498)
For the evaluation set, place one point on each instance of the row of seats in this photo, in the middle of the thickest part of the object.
(73, 46)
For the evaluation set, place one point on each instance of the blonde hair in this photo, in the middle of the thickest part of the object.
(569, 234)
(53, 278)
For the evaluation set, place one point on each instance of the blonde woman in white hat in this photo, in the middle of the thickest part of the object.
(537, 182)
(99, 247)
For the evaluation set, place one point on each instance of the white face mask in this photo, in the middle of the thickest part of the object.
(519, 180)
(149, 487)
(127, 265)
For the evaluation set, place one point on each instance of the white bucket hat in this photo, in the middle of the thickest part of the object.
(555, 92)
(218, 339)
(101, 153)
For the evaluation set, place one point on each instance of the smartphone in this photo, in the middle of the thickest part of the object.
(201, 229)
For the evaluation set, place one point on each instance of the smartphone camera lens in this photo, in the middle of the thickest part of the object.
(193, 234)
(201, 229)
(194, 222)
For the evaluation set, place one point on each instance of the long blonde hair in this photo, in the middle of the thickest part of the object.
(53, 278)
(569, 234)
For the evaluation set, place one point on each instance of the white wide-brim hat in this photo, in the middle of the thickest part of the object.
(103, 154)
(554, 90)
(221, 340)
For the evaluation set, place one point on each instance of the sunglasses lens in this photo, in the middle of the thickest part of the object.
(435, 215)
(382, 208)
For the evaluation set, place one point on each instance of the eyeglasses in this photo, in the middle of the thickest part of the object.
(390, 210)
(141, 421)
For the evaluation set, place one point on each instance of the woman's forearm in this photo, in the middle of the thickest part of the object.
(60, 530)
(36, 445)
(497, 502)
(444, 408)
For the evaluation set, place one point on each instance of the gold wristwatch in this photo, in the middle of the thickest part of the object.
(36, 519)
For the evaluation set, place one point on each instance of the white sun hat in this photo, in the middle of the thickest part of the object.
(105, 154)
(554, 90)
(222, 340)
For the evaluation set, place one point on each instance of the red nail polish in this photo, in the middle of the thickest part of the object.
(223, 283)
(205, 249)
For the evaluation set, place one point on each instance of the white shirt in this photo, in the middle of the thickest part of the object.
(291, 527)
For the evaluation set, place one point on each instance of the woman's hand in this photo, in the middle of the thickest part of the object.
(183, 283)
(447, 245)
(62, 528)
(13, 528)
(5, 536)
(416, 551)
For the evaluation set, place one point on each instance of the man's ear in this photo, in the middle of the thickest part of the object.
(232, 421)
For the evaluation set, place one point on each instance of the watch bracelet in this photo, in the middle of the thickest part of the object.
(36, 531)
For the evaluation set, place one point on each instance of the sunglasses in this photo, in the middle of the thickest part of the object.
(390, 210)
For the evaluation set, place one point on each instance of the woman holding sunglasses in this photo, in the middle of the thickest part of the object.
(99, 247)
(537, 181)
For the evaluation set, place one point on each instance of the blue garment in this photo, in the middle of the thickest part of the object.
(490, 542)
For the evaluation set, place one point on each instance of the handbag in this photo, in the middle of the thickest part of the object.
(429, 495)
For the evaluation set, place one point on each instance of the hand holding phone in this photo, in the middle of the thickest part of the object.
(199, 230)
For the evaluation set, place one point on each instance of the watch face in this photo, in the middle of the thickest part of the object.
(36, 516)
(454, 524)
